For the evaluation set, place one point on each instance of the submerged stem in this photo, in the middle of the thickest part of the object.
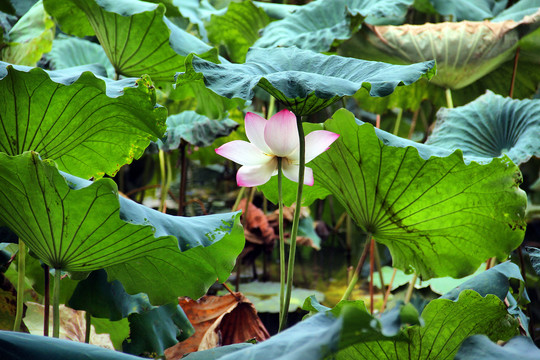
(296, 221)
(356, 274)
(282, 272)
(21, 262)
(56, 303)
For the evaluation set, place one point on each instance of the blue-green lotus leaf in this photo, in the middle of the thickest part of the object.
(433, 211)
(320, 24)
(477, 10)
(491, 126)
(89, 125)
(237, 29)
(195, 129)
(304, 81)
(80, 225)
(69, 52)
(14, 345)
(447, 324)
(135, 35)
(481, 347)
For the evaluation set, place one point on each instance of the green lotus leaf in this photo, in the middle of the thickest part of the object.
(104, 299)
(464, 51)
(481, 347)
(238, 29)
(469, 10)
(410, 97)
(518, 11)
(80, 225)
(276, 11)
(195, 129)
(135, 35)
(152, 329)
(31, 36)
(447, 324)
(432, 210)
(89, 125)
(304, 81)
(534, 255)
(155, 330)
(321, 24)
(491, 126)
(191, 85)
(69, 52)
(14, 345)
(217, 352)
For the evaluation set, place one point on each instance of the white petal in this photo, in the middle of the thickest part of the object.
(255, 131)
(317, 142)
(281, 133)
(243, 153)
(255, 175)
(291, 172)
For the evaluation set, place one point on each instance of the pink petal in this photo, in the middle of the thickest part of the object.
(255, 131)
(291, 172)
(281, 133)
(317, 142)
(255, 175)
(243, 153)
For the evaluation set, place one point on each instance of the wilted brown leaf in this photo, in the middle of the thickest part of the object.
(218, 320)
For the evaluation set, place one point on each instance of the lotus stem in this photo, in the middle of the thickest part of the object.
(296, 221)
(21, 262)
(47, 300)
(413, 123)
(88, 331)
(398, 122)
(56, 303)
(371, 268)
(514, 72)
(356, 274)
(379, 268)
(282, 273)
(449, 102)
(388, 290)
(183, 178)
(410, 289)
(239, 198)
(163, 171)
(271, 107)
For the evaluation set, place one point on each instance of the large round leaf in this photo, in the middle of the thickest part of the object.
(90, 126)
(31, 36)
(320, 24)
(435, 213)
(481, 347)
(302, 80)
(15, 345)
(238, 28)
(469, 10)
(447, 324)
(491, 126)
(68, 52)
(464, 51)
(135, 35)
(195, 129)
(82, 226)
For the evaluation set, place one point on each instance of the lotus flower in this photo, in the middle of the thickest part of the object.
(270, 140)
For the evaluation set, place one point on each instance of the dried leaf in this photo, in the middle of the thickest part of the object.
(218, 320)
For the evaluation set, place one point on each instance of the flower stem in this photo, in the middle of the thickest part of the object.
(87, 333)
(356, 274)
(296, 221)
(282, 272)
(408, 295)
(398, 122)
(56, 303)
(449, 102)
(21, 262)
